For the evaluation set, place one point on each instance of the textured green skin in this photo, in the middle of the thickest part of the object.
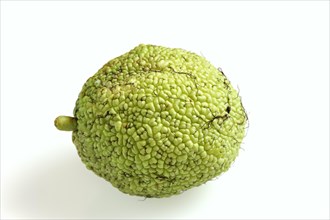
(157, 121)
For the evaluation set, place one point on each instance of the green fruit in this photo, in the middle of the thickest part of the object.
(157, 121)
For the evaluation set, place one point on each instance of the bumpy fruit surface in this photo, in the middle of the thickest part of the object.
(157, 121)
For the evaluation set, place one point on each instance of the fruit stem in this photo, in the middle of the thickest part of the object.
(66, 123)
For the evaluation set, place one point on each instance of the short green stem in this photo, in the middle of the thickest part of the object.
(66, 123)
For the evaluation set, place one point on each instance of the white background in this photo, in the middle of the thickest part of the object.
(277, 53)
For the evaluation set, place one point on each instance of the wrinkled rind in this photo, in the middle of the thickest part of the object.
(157, 121)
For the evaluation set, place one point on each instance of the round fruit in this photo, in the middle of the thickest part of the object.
(157, 121)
